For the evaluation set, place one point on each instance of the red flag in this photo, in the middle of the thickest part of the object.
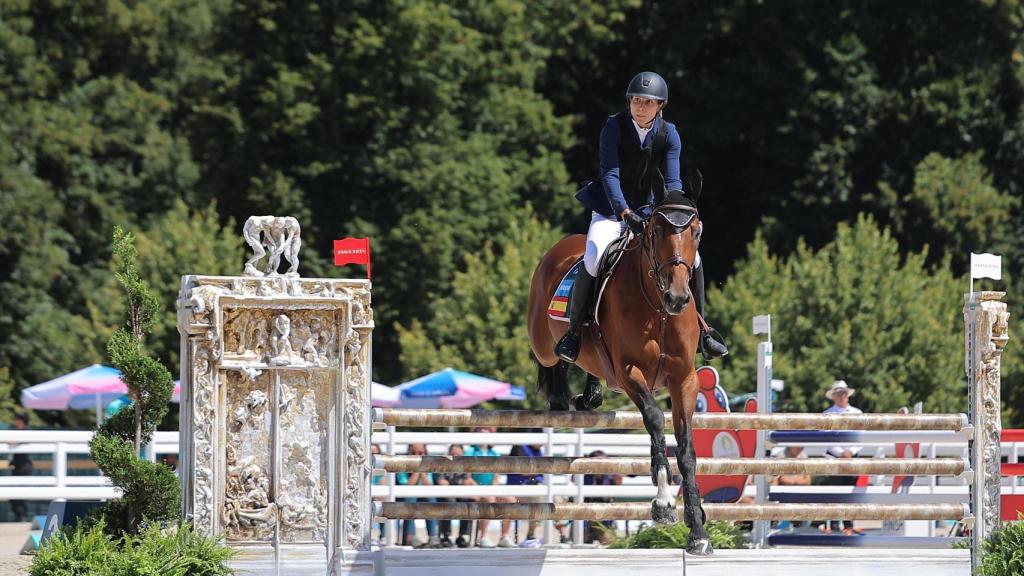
(352, 251)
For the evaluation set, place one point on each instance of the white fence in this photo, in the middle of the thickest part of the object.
(59, 444)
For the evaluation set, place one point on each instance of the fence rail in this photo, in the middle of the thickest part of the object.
(642, 466)
(642, 511)
(632, 420)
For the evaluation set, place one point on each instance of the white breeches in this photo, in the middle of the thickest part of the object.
(603, 231)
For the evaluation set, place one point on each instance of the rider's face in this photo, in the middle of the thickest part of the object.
(644, 109)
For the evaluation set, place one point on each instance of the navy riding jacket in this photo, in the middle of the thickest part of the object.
(605, 195)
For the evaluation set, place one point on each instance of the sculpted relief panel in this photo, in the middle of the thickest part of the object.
(306, 404)
(280, 337)
(249, 512)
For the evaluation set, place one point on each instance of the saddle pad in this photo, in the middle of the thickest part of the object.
(558, 308)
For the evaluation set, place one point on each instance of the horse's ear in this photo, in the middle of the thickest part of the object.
(658, 186)
(696, 179)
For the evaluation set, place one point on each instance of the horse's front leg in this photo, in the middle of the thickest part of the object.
(684, 400)
(663, 507)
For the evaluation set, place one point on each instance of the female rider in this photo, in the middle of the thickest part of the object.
(634, 144)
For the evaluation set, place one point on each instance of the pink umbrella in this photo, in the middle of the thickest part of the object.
(450, 388)
(95, 386)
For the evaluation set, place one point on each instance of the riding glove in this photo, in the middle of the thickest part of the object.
(635, 222)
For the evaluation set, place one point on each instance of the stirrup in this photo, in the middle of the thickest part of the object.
(568, 347)
(712, 347)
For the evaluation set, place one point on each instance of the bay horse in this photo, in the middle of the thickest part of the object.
(646, 339)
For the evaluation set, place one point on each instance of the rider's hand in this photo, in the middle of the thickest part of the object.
(634, 221)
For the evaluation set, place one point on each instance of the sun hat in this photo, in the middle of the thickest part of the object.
(840, 385)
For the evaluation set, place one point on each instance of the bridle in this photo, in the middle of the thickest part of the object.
(679, 225)
(676, 259)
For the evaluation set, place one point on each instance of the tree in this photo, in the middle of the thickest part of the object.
(481, 326)
(150, 491)
(958, 209)
(855, 309)
(180, 241)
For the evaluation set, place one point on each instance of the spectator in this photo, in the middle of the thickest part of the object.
(420, 479)
(488, 479)
(171, 461)
(21, 465)
(591, 530)
(529, 451)
(377, 479)
(455, 479)
(840, 394)
(792, 479)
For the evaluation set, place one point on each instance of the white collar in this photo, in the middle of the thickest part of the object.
(640, 128)
(641, 132)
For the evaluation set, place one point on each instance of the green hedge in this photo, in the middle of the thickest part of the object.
(1004, 551)
(723, 535)
(89, 551)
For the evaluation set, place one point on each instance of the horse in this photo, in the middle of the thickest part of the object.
(644, 342)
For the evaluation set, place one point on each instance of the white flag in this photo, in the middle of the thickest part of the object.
(763, 324)
(986, 266)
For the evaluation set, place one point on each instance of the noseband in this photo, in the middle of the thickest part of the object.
(680, 223)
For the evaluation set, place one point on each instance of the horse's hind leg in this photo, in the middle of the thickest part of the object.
(663, 507)
(591, 397)
(684, 399)
(554, 381)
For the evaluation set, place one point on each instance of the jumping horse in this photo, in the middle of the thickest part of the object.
(643, 337)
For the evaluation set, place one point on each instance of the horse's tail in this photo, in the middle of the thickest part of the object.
(553, 382)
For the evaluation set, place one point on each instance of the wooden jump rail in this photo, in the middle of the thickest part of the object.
(642, 511)
(642, 465)
(412, 417)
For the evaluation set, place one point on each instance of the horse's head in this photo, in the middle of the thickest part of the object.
(670, 240)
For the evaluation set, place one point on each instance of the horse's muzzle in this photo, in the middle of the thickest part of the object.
(675, 304)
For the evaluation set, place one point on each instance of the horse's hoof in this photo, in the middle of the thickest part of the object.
(664, 514)
(699, 547)
(582, 405)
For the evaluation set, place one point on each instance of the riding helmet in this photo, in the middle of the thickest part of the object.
(648, 85)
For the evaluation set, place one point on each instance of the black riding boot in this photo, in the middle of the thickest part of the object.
(568, 348)
(709, 347)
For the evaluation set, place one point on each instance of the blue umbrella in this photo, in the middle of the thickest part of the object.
(450, 388)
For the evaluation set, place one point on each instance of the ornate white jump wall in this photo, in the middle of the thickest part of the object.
(275, 428)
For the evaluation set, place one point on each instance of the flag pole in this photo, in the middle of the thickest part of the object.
(972, 274)
(369, 276)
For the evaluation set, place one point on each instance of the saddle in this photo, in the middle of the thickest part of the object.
(558, 308)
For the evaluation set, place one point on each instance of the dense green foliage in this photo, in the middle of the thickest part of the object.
(481, 325)
(856, 309)
(430, 125)
(150, 491)
(723, 535)
(1004, 551)
(89, 551)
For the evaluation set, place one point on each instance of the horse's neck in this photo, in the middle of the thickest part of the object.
(632, 277)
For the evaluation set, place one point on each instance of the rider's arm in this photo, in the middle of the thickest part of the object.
(670, 166)
(610, 166)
